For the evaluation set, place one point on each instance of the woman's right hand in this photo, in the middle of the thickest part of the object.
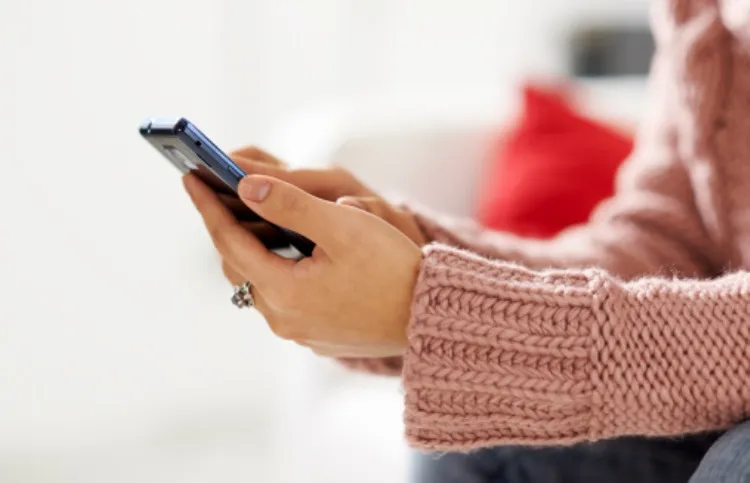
(331, 184)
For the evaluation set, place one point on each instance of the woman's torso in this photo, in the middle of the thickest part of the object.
(705, 46)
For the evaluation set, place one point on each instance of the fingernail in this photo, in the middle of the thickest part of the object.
(253, 189)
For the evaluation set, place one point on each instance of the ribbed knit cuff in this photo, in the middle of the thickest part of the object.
(498, 354)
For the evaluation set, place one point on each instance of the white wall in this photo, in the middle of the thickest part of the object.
(114, 319)
(286, 55)
(111, 304)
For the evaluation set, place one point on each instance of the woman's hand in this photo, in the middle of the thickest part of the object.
(352, 298)
(332, 184)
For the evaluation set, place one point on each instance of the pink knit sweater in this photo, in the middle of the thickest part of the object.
(637, 323)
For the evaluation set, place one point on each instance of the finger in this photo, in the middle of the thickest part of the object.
(254, 152)
(236, 279)
(329, 184)
(290, 207)
(235, 244)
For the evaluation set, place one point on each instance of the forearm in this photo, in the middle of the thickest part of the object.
(499, 354)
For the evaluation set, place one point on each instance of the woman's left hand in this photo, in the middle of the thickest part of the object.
(351, 298)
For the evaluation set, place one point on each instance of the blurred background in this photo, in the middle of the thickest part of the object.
(121, 358)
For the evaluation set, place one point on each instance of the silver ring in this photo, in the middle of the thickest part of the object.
(242, 296)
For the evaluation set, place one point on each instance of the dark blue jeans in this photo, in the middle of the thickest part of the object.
(705, 458)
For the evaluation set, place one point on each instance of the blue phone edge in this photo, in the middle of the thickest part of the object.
(198, 143)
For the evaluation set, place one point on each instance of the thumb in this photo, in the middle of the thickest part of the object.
(328, 184)
(289, 207)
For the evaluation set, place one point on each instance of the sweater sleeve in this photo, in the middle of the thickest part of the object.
(652, 226)
(500, 354)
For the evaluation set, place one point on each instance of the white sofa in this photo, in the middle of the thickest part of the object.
(340, 426)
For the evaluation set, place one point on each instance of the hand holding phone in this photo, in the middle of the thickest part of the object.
(352, 299)
(189, 150)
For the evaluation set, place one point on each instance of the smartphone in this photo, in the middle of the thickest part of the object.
(188, 149)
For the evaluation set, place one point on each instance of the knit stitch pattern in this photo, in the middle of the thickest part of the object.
(506, 355)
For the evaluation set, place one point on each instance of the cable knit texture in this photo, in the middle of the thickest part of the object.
(520, 341)
(501, 354)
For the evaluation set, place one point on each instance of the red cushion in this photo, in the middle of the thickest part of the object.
(551, 169)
